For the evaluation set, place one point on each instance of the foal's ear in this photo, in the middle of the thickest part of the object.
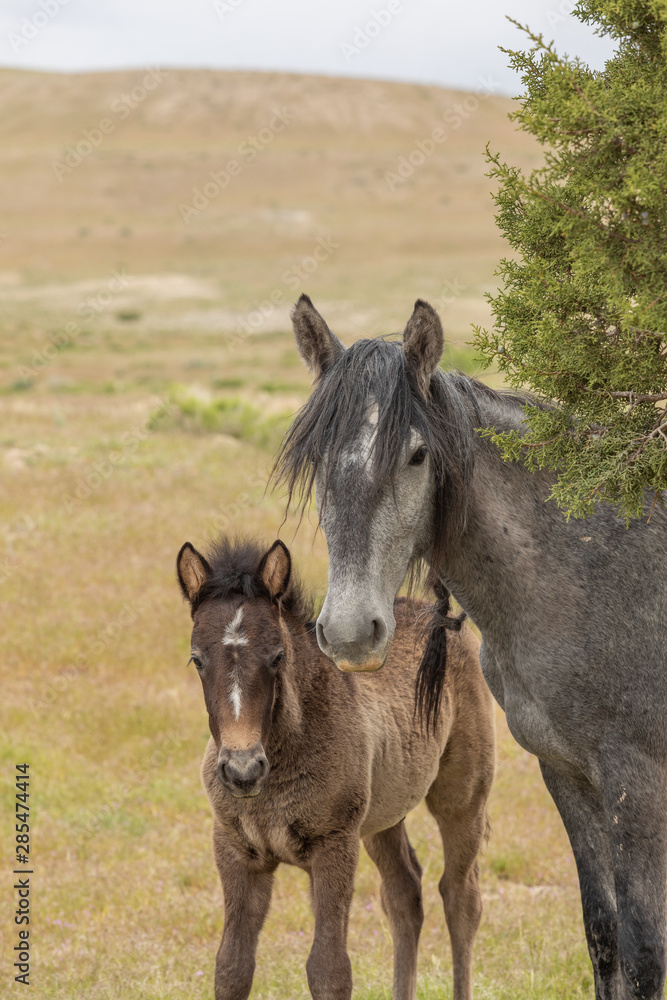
(275, 570)
(423, 343)
(318, 346)
(193, 571)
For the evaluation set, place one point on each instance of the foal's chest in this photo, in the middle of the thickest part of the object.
(273, 839)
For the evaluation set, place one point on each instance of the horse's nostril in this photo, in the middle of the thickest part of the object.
(321, 638)
(379, 632)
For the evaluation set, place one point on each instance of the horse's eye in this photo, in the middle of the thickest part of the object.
(197, 662)
(276, 661)
(418, 456)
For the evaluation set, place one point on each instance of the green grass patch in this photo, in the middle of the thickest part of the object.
(21, 385)
(510, 866)
(280, 387)
(462, 358)
(228, 383)
(197, 413)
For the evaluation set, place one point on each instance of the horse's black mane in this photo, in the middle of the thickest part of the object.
(375, 371)
(234, 563)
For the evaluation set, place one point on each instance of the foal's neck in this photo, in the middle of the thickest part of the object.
(287, 721)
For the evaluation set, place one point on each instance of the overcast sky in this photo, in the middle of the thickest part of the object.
(427, 41)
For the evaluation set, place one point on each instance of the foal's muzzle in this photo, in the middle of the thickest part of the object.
(243, 772)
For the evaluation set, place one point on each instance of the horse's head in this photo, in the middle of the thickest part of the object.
(370, 440)
(237, 648)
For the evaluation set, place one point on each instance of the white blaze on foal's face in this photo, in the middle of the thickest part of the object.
(234, 636)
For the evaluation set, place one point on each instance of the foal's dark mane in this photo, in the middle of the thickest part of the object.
(234, 563)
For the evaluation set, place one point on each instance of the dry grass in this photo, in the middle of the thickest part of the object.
(101, 485)
(113, 723)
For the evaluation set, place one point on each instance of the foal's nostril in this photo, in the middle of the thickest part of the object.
(244, 771)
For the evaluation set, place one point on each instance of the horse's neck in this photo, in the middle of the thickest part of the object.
(491, 566)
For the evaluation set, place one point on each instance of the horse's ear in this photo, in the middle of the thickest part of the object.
(423, 343)
(275, 570)
(193, 572)
(318, 346)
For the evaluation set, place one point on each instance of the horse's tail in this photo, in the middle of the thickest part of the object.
(431, 673)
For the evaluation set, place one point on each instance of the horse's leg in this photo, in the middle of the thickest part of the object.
(583, 814)
(247, 896)
(457, 799)
(635, 790)
(332, 868)
(402, 902)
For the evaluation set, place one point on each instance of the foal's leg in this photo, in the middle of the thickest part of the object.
(332, 869)
(457, 799)
(402, 902)
(582, 812)
(247, 895)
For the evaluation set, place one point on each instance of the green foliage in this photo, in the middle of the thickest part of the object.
(198, 412)
(582, 314)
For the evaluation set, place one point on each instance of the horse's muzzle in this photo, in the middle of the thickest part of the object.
(357, 641)
(367, 667)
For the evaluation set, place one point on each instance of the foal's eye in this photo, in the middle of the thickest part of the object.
(197, 662)
(418, 456)
(276, 661)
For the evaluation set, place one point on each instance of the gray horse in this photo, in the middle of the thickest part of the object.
(573, 615)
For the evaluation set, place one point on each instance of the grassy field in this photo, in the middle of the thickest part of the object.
(146, 375)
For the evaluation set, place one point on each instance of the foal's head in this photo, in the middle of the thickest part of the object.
(238, 646)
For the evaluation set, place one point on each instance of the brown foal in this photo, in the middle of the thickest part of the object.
(304, 761)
